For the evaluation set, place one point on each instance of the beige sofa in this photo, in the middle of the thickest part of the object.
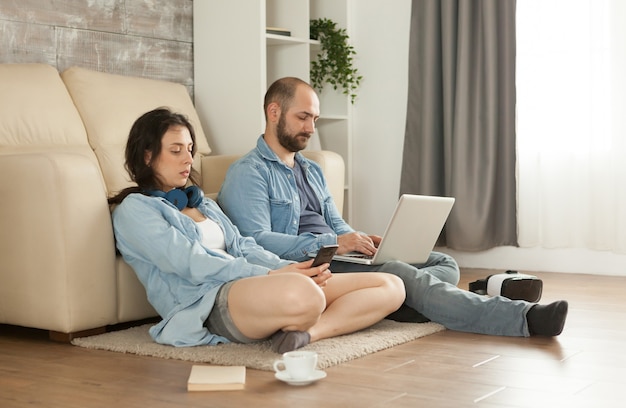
(62, 141)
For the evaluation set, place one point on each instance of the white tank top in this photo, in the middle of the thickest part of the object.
(213, 237)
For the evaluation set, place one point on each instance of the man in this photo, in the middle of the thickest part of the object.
(281, 199)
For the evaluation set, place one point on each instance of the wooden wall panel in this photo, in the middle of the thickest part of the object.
(27, 43)
(125, 55)
(146, 38)
(101, 15)
(170, 20)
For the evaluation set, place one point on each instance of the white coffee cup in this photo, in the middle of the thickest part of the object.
(298, 364)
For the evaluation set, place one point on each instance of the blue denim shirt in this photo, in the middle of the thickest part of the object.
(181, 276)
(260, 196)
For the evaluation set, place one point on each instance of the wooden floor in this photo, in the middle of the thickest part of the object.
(584, 367)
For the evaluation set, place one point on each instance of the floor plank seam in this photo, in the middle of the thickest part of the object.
(477, 400)
(399, 365)
(570, 356)
(485, 361)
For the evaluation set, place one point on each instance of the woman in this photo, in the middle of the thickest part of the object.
(209, 283)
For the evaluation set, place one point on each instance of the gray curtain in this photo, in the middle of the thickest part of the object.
(460, 127)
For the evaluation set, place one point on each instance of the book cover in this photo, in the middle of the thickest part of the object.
(216, 378)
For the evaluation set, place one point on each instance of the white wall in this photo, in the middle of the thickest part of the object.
(545, 260)
(380, 34)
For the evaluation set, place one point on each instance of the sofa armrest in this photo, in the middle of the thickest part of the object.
(214, 170)
(57, 243)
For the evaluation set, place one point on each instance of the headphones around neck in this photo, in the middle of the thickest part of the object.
(189, 197)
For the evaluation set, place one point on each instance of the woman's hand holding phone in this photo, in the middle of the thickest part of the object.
(325, 255)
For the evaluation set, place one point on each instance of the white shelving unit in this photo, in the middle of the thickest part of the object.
(235, 60)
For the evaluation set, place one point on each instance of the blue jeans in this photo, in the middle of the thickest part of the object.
(431, 290)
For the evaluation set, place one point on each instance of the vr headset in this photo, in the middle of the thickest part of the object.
(510, 284)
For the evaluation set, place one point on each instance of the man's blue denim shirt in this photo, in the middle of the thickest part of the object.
(261, 197)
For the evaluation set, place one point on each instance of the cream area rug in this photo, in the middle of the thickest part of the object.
(336, 350)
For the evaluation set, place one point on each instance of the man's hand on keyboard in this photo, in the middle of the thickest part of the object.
(357, 242)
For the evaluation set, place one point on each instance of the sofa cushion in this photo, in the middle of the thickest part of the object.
(37, 112)
(109, 104)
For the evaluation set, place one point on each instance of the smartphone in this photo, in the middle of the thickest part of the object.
(325, 255)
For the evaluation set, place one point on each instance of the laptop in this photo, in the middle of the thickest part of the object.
(411, 233)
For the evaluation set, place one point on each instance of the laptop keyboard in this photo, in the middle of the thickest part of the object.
(359, 255)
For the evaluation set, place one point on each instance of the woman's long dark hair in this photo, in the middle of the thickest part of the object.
(145, 136)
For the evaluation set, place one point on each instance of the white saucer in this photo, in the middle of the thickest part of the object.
(317, 375)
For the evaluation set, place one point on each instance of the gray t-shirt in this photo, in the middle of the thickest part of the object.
(311, 219)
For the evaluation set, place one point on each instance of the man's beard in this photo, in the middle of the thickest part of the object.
(290, 142)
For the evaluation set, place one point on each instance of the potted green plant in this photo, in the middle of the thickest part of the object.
(334, 63)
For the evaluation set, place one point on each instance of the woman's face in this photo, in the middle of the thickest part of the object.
(173, 165)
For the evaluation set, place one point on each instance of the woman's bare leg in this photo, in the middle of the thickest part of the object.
(356, 301)
(295, 305)
(262, 305)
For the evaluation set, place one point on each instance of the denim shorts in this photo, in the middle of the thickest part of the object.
(219, 321)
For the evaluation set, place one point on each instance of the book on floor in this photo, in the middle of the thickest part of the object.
(216, 378)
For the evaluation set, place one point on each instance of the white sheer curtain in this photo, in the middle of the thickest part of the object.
(571, 124)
